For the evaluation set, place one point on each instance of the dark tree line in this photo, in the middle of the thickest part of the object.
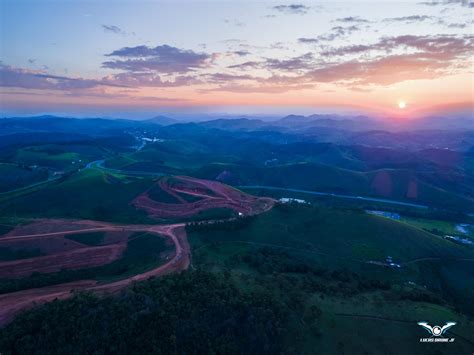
(192, 313)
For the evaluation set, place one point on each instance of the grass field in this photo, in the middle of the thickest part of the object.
(437, 226)
(171, 156)
(335, 239)
(89, 194)
(128, 162)
(356, 236)
(14, 177)
(157, 194)
(59, 156)
(314, 258)
(144, 252)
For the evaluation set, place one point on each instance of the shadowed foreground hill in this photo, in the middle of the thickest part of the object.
(187, 314)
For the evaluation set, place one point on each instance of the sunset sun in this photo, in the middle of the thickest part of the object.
(402, 105)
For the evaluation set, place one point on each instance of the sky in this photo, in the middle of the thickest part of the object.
(142, 58)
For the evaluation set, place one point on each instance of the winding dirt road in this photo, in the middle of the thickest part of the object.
(13, 303)
(214, 195)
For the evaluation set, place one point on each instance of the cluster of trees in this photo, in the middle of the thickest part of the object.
(40, 280)
(339, 282)
(191, 313)
(419, 295)
(268, 310)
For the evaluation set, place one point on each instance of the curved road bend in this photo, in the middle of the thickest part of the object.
(13, 303)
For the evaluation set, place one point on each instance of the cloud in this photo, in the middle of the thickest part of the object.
(387, 61)
(272, 84)
(225, 78)
(236, 23)
(336, 32)
(241, 53)
(232, 41)
(298, 9)
(457, 25)
(297, 63)
(410, 19)
(421, 57)
(116, 30)
(396, 59)
(339, 31)
(132, 79)
(308, 40)
(454, 24)
(383, 71)
(464, 3)
(32, 79)
(448, 45)
(348, 50)
(162, 59)
(352, 19)
(11, 77)
(113, 29)
(301, 62)
(279, 45)
(246, 65)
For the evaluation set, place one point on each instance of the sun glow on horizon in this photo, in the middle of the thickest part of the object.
(402, 105)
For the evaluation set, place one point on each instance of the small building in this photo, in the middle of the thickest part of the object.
(292, 200)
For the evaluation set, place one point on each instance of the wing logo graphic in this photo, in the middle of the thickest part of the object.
(436, 331)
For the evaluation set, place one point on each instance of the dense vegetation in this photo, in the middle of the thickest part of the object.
(14, 176)
(285, 305)
(86, 194)
(186, 314)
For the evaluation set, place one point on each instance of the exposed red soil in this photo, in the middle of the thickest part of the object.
(49, 226)
(213, 194)
(13, 303)
(75, 259)
(47, 245)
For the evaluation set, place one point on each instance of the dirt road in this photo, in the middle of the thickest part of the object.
(13, 303)
(213, 194)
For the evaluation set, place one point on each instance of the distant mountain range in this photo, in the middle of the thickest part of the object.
(431, 132)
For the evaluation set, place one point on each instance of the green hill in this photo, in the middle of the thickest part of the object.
(356, 241)
(88, 194)
(317, 261)
(396, 184)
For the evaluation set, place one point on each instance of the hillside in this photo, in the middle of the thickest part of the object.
(401, 184)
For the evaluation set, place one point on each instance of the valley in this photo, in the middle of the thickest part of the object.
(334, 235)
